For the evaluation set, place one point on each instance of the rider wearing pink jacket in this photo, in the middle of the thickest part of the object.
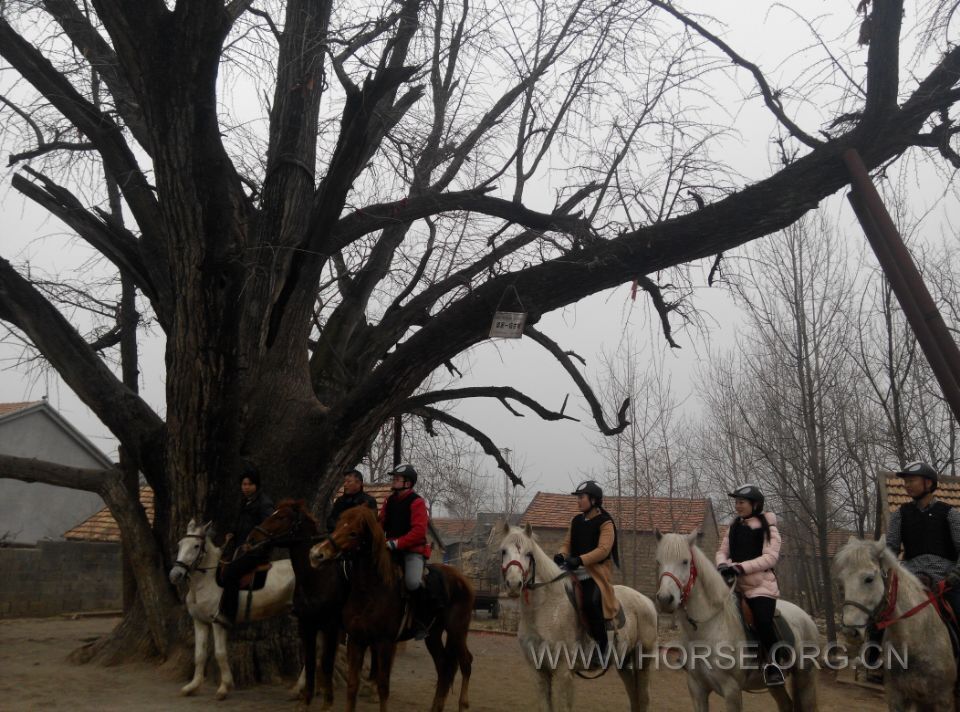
(749, 551)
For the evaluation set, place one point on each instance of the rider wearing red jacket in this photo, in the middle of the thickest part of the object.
(404, 519)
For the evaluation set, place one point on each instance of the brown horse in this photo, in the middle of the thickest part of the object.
(318, 596)
(375, 611)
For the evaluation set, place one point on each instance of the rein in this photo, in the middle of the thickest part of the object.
(881, 618)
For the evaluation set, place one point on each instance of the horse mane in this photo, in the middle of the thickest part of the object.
(299, 505)
(545, 566)
(378, 540)
(677, 547)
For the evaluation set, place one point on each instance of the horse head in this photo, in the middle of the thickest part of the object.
(861, 568)
(677, 570)
(190, 550)
(517, 551)
(290, 523)
(357, 531)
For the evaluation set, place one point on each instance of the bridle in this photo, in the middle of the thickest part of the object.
(685, 588)
(201, 552)
(881, 616)
(528, 576)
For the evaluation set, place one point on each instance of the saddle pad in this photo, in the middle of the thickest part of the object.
(784, 631)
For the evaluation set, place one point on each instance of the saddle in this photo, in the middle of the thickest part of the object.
(253, 580)
(784, 632)
(435, 592)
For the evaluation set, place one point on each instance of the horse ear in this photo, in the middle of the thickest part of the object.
(527, 529)
(852, 539)
(207, 527)
(658, 533)
(192, 523)
(505, 527)
(692, 537)
(878, 546)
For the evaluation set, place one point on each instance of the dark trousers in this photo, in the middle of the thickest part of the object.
(763, 608)
(593, 612)
(241, 565)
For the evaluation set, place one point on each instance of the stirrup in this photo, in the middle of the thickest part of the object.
(773, 675)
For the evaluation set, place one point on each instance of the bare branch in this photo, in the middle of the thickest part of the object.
(770, 97)
(501, 393)
(595, 408)
(432, 414)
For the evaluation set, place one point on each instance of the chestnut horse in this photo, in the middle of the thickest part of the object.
(375, 612)
(319, 593)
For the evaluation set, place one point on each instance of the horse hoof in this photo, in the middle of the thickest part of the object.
(222, 693)
(187, 690)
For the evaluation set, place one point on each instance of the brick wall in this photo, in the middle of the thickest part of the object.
(59, 577)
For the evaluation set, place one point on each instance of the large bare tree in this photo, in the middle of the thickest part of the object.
(323, 205)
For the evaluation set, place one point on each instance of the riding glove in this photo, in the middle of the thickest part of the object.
(392, 545)
(573, 562)
(953, 579)
(559, 559)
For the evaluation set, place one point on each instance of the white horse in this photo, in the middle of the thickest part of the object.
(710, 626)
(550, 633)
(197, 560)
(878, 590)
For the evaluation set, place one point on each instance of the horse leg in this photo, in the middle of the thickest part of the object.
(732, 696)
(331, 639)
(299, 685)
(220, 652)
(355, 653)
(699, 694)
(201, 637)
(636, 682)
(545, 689)
(384, 654)
(465, 660)
(443, 664)
(563, 691)
(308, 645)
(780, 696)
(803, 685)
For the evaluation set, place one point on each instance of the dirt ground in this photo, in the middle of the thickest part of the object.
(35, 675)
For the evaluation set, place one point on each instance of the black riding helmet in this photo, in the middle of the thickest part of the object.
(407, 472)
(751, 493)
(592, 490)
(921, 469)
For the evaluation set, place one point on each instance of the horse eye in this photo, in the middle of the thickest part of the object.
(503, 552)
(869, 579)
(658, 562)
(685, 562)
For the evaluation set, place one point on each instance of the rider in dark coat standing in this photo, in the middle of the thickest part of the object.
(353, 496)
(255, 507)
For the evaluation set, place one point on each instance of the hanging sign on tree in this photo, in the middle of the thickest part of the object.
(508, 324)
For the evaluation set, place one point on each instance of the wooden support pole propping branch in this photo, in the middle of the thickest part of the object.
(931, 331)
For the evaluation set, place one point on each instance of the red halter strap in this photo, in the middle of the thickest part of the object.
(524, 583)
(884, 618)
(685, 588)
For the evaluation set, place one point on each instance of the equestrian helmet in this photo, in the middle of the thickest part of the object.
(406, 471)
(592, 490)
(751, 493)
(919, 469)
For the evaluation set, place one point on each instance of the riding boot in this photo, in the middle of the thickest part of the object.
(422, 603)
(226, 614)
(603, 640)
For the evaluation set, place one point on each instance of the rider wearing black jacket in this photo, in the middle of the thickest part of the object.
(353, 496)
(255, 507)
